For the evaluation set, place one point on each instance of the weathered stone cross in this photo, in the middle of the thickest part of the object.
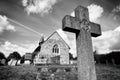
(84, 29)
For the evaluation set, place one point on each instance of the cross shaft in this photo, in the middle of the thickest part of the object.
(84, 29)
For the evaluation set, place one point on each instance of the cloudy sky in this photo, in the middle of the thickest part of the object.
(23, 22)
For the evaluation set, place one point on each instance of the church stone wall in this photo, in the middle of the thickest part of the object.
(64, 52)
(47, 46)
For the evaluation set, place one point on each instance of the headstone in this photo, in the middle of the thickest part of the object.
(3, 61)
(84, 29)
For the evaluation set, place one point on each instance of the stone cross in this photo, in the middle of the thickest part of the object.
(84, 29)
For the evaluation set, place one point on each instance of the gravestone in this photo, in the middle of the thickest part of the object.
(84, 29)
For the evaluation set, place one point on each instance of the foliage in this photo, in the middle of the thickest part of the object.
(71, 57)
(22, 59)
(109, 58)
(15, 55)
(2, 56)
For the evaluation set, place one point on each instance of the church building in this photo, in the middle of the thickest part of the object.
(54, 50)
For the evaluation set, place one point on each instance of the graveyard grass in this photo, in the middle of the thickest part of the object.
(104, 72)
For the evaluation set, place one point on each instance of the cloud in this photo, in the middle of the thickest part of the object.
(73, 14)
(73, 46)
(116, 12)
(95, 11)
(9, 47)
(116, 9)
(5, 25)
(39, 6)
(63, 35)
(108, 41)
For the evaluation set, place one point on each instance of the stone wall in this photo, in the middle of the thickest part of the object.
(47, 46)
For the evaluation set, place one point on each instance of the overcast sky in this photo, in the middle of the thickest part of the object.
(23, 22)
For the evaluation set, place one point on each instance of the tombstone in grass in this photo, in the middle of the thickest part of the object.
(84, 29)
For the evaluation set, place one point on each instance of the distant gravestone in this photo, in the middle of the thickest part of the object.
(84, 29)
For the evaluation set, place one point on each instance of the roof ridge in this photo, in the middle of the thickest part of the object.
(63, 39)
(60, 37)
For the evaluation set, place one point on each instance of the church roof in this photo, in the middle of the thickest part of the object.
(59, 36)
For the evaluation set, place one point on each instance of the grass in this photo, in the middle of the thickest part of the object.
(108, 72)
(104, 72)
(17, 73)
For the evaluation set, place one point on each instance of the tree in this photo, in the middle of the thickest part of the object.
(14, 56)
(17, 56)
(70, 56)
(2, 56)
(22, 59)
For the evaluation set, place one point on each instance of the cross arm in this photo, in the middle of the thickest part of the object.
(71, 24)
(95, 29)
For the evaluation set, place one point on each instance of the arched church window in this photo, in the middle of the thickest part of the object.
(55, 49)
